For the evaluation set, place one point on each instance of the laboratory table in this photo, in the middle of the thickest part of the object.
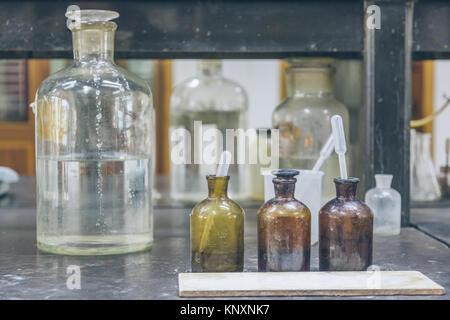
(27, 273)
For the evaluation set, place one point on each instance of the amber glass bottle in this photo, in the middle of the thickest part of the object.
(284, 228)
(217, 231)
(345, 230)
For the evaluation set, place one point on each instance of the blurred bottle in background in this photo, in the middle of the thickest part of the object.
(219, 103)
(303, 118)
(424, 184)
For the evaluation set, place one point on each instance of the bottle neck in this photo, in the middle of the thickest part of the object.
(94, 42)
(346, 188)
(217, 187)
(303, 81)
(209, 68)
(383, 181)
(284, 188)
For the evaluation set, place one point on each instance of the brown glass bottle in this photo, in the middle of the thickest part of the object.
(284, 228)
(345, 230)
(217, 231)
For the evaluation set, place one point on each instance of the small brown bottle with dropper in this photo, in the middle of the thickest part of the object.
(345, 222)
(284, 228)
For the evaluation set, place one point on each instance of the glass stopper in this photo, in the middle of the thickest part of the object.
(285, 174)
(86, 16)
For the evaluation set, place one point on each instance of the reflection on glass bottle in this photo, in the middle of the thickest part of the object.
(145, 69)
(345, 230)
(219, 104)
(304, 117)
(284, 228)
(385, 204)
(94, 127)
(217, 231)
(424, 183)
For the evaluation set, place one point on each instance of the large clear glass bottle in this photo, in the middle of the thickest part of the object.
(385, 204)
(94, 127)
(218, 103)
(217, 231)
(303, 118)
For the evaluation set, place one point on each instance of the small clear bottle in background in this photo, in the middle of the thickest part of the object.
(217, 231)
(284, 228)
(385, 204)
(219, 103)
(424, 185)
(345, 230)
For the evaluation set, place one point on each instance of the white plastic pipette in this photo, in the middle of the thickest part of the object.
(340, 146)
(224, 164)
(324, 153)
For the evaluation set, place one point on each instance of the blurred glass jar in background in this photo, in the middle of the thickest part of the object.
(303, 118)
(94, 129)
(218, 103)
(424, 185)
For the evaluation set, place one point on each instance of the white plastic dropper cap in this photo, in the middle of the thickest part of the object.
(8, 175)
(324, 153)
(224, 164)
(340, 146)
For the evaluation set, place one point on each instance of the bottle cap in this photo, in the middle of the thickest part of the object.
(349, 180)
(86, 16)
(286, 174)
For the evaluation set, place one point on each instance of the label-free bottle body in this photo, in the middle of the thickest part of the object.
(345, 230)
(217, 231)
(284, 228)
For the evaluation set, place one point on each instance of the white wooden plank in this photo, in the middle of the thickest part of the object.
(348, 283)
